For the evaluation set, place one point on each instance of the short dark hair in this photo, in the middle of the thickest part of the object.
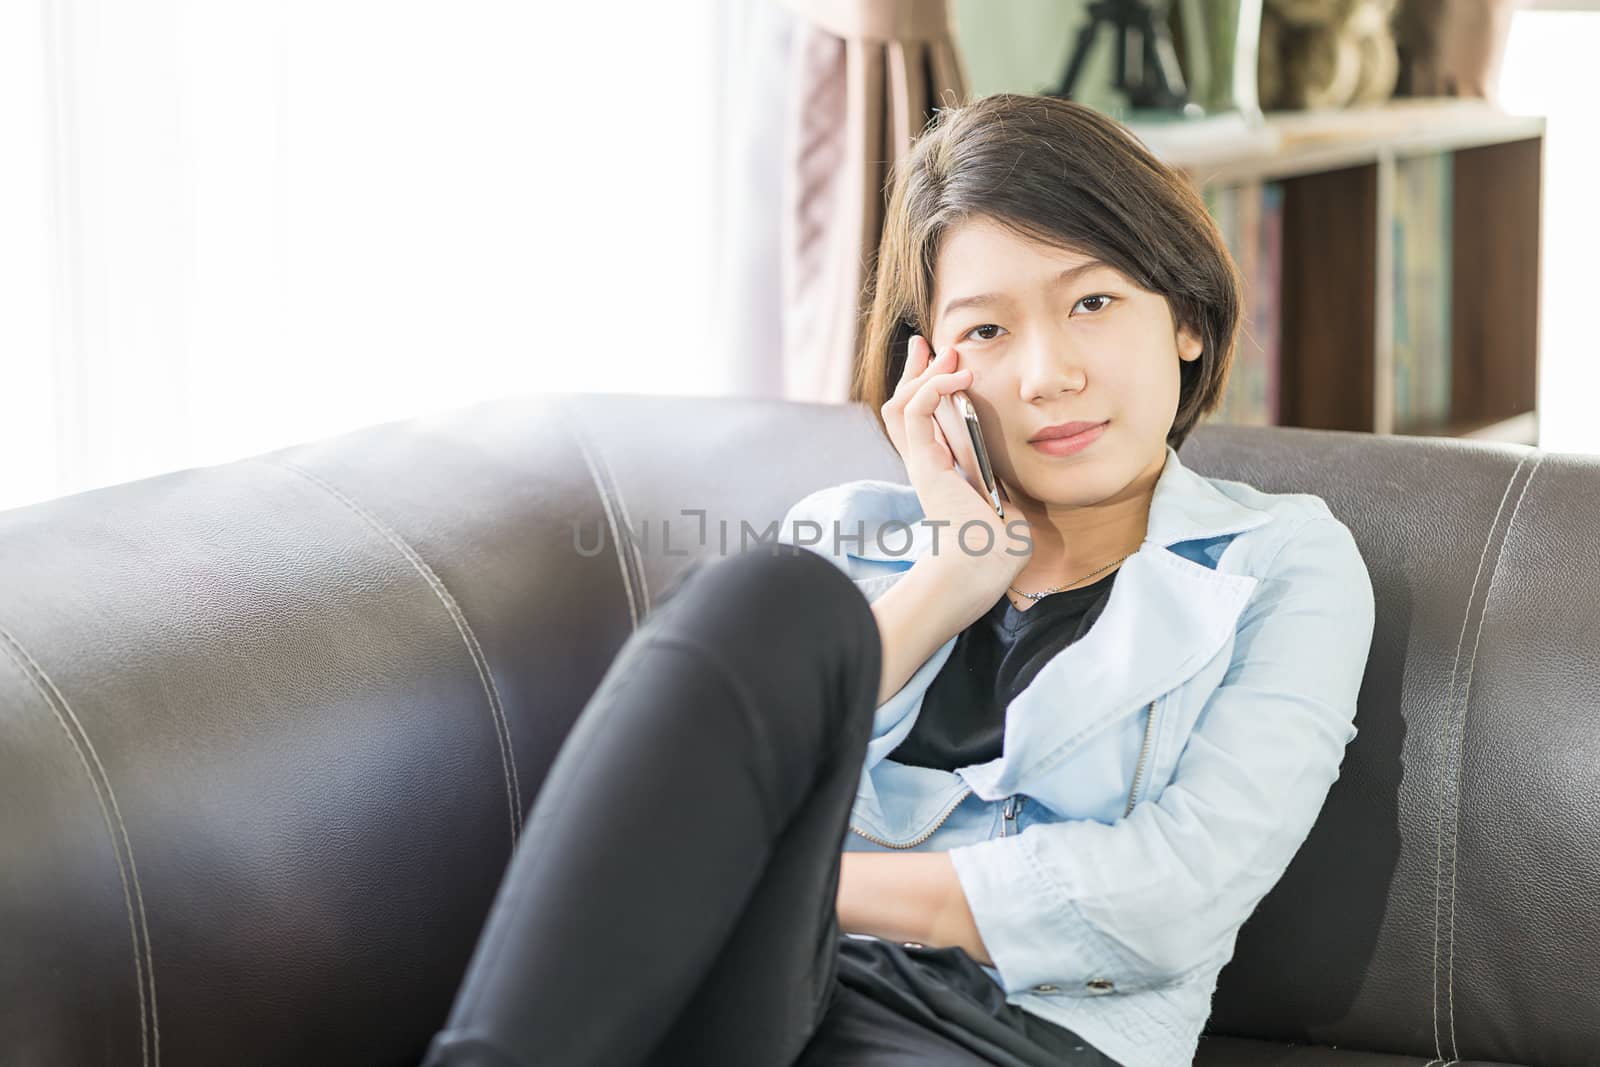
(1065, 174)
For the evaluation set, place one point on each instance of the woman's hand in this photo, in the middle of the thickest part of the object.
(980, 565)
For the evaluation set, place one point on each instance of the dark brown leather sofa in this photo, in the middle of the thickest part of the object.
(268, 729)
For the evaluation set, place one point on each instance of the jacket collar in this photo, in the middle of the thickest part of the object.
(1185, 506)
(1167, 616)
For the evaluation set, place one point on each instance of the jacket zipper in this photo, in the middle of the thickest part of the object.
(1014, 802)
(929, 832)
(1008, 814)
(1138, 771)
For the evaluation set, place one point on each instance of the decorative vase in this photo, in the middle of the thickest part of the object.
(1220, 42)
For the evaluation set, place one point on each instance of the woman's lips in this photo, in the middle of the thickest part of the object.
(1066, 446)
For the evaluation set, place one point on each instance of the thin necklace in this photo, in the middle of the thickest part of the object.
(1040, 596)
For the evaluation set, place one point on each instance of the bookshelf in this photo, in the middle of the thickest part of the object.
(1391, 264)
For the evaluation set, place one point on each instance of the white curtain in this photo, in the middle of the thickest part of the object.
(27, 396)
(1549, 70)
(755, 46)
(230, 225)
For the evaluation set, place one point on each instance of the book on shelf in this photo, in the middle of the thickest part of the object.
(1421, 228)
(1249, 216)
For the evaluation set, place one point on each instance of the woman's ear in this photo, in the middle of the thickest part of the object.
(1189, 344)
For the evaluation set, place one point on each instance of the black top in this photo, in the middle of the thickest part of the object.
(963, 717)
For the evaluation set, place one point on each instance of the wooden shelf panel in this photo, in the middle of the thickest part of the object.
(1329, 300)
(1495, 280)
(1340, 173)
(1522, 429)
(1294, 143)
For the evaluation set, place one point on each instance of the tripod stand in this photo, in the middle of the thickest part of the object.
(1147, 65)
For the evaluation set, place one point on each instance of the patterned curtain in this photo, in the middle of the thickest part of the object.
(865, 77)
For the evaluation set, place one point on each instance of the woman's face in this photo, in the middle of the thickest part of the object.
(1053, 338)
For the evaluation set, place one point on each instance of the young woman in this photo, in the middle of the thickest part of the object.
(948, 787)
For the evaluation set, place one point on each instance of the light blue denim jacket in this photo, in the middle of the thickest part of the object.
(1218, 686)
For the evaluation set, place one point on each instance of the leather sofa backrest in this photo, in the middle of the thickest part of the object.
(269, 729)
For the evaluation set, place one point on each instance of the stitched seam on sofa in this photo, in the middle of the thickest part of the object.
(1439, 832)
(1494, 537)
(1455, 822)
(634, 582)
(502, 729)
(1444, 770)
(143, 969)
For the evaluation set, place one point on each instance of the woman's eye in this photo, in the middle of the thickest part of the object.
(1094, 304)
(1099, 300)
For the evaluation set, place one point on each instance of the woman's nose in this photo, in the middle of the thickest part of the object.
(1050, 367)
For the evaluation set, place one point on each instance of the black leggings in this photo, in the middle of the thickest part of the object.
(672, 899)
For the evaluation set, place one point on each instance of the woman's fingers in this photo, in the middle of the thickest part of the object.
(922, 447)
(893, 409)
(919, 366)
(927, 396)
(916, 358)
(948, 416)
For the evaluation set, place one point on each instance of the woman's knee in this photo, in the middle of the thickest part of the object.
(777, 596)
(790, 614)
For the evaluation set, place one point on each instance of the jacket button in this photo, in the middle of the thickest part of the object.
(1044, 988)
(1100, 985)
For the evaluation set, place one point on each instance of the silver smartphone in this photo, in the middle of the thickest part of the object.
(969, 415)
